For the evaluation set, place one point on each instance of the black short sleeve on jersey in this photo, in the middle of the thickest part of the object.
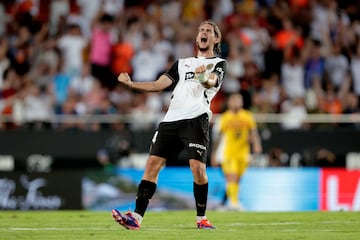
(173, 72)
(220, 71)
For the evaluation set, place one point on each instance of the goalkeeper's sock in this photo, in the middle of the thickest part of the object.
(145, 192)
(233, 192)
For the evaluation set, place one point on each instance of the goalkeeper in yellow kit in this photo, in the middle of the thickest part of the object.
(238, 131)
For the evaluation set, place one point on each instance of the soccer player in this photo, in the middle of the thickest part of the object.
(238, 132)
(185, 125)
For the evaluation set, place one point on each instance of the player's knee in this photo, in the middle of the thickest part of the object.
(153, 167)
(199, 171)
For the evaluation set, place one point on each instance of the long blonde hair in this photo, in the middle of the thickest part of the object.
(217, 46)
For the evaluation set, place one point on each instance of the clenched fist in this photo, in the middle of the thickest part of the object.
(200, 69)
(125, 79)
(200, 74)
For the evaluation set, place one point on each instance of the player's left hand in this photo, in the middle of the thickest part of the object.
(257, 149)
(200, 69)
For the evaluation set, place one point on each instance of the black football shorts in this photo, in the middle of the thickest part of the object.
(171, 138)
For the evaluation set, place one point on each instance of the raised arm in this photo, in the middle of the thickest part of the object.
(160, 84)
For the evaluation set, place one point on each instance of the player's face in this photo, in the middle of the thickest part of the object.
(206, 39)
(235, 102)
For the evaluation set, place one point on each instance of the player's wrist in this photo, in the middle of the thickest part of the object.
(131, 85)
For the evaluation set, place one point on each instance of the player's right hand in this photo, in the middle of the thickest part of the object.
(125, 79)
(200, 69)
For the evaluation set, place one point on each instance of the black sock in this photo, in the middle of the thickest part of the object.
(145, 192)
(200, 194)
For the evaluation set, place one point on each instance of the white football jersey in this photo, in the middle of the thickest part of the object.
(190, 98)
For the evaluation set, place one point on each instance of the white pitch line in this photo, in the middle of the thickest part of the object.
(265, 224)
(238, 224)
(14, 229)
(50, 229)
(245, 224)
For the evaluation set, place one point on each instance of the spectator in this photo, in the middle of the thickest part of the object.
(236, 69)
(105, 107)
(121, 98)
(259, 41)
(222, 9)
(142, 117)
(193, 11)
(250, 82)
(58, 9)
(20, 50)
(82, 84)
(11, 89)
(72, 46)
(184, 44)
(271, 94)
(355, 68)
(288, 36)
(292, 75)
(328, 21)
(100, 49)
(4, 60)
(326, 34)
(94, 98)
(38, 107)
(330, 102)
(133, 32)
(351, 106)
(59, 88)
(2, 19)
(294, 114)
(46, 59)
(314, 65)
(336, 66)
(69, 108)
(122, 53)
(146, 58)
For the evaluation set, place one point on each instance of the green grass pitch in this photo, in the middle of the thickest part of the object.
(68, 225)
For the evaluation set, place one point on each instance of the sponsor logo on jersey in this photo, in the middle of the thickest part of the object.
(189, 75)
(209, 66)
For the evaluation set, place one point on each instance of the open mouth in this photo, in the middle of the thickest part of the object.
(203, 39)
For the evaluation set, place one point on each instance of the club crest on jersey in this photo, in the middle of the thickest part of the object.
(189, 75)
(209, 66)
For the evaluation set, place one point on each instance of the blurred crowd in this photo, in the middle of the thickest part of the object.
(62, 57)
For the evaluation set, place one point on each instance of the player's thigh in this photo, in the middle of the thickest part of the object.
(195, 136)
(243, 165)
(165, 142)
(229, 166)
(235, 166)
